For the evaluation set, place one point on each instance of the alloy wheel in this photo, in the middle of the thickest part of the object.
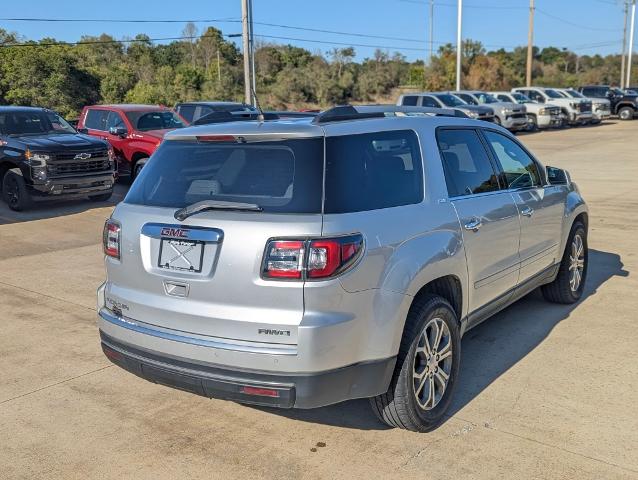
(576, 263)
(13, 191)
(432, 364)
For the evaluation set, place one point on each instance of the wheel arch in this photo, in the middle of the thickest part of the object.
(448, 287)
(6, 166)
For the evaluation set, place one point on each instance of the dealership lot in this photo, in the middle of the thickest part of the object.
(546, 391)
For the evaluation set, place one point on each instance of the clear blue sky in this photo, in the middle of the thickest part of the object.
(586, 26)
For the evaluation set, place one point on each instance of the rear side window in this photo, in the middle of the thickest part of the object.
(279, 176)
(467, 167)
(372, 171)
(410, 100)
(96, 119)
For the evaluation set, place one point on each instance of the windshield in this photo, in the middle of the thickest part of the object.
(574, 93)
(450, 100)
(33, 122)
(279, 176)
(486, 98)
(520, 98)
(553, 93)
(160, 120)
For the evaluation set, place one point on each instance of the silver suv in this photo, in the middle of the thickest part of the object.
(510, 115)
(305, 262)
(446, 100)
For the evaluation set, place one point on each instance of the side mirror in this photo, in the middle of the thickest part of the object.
(118, 131)
(85, 131)
(556, 176)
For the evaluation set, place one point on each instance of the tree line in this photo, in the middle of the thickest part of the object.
(206, 66)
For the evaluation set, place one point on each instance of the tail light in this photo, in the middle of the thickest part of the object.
(111, 238)
(314, 259)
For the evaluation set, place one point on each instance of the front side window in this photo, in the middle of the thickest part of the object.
(466, 164)
(430, 102)
(187, 112)
(467, 98)
(519, 169)
(450, 100)
(115, 120)
(160, 120)
(410, 100)
(372, 171)
(96, 119)
(486, 98)
(553, 93)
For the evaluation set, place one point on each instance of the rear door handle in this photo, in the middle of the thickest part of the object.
(527, 211)
(474, 224)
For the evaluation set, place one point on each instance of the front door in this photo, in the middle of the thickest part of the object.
(488, 216)
(541, 206)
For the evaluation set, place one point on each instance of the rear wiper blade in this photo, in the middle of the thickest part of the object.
(183, 213)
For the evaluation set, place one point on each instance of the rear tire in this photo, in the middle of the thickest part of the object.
(15, 192)
(570, 282)
(424, 377)
(626, 113)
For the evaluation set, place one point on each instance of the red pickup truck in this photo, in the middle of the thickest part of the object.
(134, 131)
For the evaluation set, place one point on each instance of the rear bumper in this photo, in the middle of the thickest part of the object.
(365, 379)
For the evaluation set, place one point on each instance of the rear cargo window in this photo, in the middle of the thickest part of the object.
(279, 176)
(372, 171)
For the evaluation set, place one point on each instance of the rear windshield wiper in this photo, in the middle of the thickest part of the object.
(183, 213)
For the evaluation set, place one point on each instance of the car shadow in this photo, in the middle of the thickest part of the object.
(488, 350)
(59, 208)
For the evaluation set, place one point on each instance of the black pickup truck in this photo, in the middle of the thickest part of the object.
(43, 157)
(622, 104)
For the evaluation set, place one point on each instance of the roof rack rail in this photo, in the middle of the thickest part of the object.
(350, 112)
(239, 116)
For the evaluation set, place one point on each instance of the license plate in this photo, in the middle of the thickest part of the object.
(182, 255)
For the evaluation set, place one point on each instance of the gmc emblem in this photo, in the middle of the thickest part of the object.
(174, 232)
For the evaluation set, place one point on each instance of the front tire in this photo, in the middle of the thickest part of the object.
(427, 368)
(570, 282)
(626, 113)
(14, 191)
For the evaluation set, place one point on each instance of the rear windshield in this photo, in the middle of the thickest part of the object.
(280, 176)
(362, 172)
(160, 120)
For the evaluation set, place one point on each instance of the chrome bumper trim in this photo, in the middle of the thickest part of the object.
(146, 329)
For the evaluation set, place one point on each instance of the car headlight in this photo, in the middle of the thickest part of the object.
(508, 111)
(472, 113)
(38, 163)
(543, 111)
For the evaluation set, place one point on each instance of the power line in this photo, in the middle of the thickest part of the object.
(487, 7)
(577, 25)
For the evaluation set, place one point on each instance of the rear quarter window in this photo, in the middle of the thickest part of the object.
(372, 171)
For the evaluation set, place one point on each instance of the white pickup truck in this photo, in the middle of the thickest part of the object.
(576, 111)
(539, 115)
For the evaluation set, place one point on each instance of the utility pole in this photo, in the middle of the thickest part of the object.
(631, 42)
(248, 96)
(219, 68)
(624, 46)
(530, 45)
(431, 29)
(252, 52)
(459, 49)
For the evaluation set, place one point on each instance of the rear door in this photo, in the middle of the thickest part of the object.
(202, 275)
(541, 206)
(488, 216)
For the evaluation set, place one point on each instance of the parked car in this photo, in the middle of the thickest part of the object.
(510, 115)
(42, 157)
(622, 104)
(134, 131)
(446, 100)
(192, 111)
(575, 111)
(601, 107)
(539, 115)
(301, 263)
